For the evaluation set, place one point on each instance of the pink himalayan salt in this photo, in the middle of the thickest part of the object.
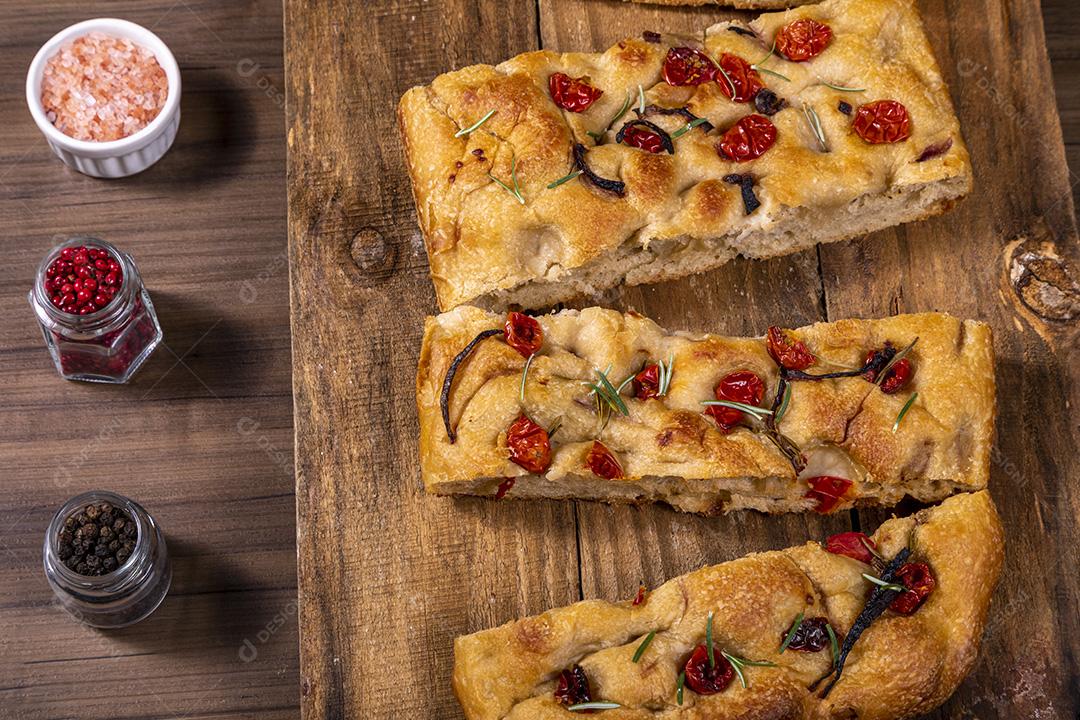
(101, 88)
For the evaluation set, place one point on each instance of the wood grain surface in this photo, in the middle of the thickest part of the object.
(389, 576)
(203, 436)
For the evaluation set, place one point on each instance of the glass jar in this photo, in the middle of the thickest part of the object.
(106, 345)
(127, 594)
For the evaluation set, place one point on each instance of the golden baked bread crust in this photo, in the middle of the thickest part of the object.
(670, 451)
(900, 667)
(678, 216)
(740, 4)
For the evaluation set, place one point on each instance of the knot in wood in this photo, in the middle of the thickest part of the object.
(1043, 281)
(373, 255)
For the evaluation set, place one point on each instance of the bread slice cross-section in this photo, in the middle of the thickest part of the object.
(906, 407)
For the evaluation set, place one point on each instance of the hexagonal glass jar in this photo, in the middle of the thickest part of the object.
(108, 345)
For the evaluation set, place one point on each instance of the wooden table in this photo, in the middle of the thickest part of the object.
(207, 226)
(389, 576)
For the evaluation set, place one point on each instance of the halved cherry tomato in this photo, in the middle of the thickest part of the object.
(855, 545)
(788, 353)
(803, 39)
(646, 383)
(530, 446)
(747, 139)
(745, 79)
(828, 490)
(523, 333)
(687, 66)
(573, 94)
(919, 581)
(637, 133)
(882, 121)
(706, 680)
(573, 687)
(602, 462)
(742, 387)
(898, 376)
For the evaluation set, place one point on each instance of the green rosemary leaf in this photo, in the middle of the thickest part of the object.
(624, 383)
(835, 645)
(640, 100)
(769, 55)
(598, 136)
(738, 663)
(772, 72)
(895, 359)
(515, 191)
(644, 644)
(688, 127)
(610, 394)
(665, 375)
(780, 411)
(524, 375)
(555, 428)
(708, 640)
(679, 688)
(757, 412)
(563, 179)
(904, 411)
(886, 585)
(814, 121)
(475, 125)
(580, 707)
(841, 88)
(791, 633)
(730, 82)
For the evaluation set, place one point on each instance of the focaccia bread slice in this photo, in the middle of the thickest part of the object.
(740, 4)
(505, 221)
(901, 665)
(872, 447)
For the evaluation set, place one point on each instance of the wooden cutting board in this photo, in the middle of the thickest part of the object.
(389, 576)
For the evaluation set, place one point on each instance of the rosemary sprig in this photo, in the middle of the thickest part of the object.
(772, 72)
(904, 410)
(606, 392)
(640, 100)
(730, 82)
(688, 127)
(814, 122)
(832, 641)
(555, 427)
(644, 645)
(516, 190)
(665, 375)
(680, 686)
(598, 136)
(624, 383)
(708, 640)
(887, 585)
(524, 375)
(841, 88)
(478, 123)
(783, 404)
(759, 413)
(895, 359)
(564, 179)
(738, 663)
(791, 633)
(582, 707)
(767, 56)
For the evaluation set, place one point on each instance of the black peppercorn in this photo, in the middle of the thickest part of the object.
(96, 540)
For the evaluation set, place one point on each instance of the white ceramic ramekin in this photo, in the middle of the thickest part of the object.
(115, 158)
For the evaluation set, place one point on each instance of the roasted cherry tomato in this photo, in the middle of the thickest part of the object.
(919, 581)
(745, 79)
(642, 134)
(742, 387)
(573, 94)
(573, 687)
(811, 636)
(828, 490)
(602, 462)
(803, 39)
(529, 446)
(523, 333)
(747, 139)
(882, 121)
(855, 545)
(646, 383)
(687, 66)
(788, 353)
(706, 680)
(898, 376)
